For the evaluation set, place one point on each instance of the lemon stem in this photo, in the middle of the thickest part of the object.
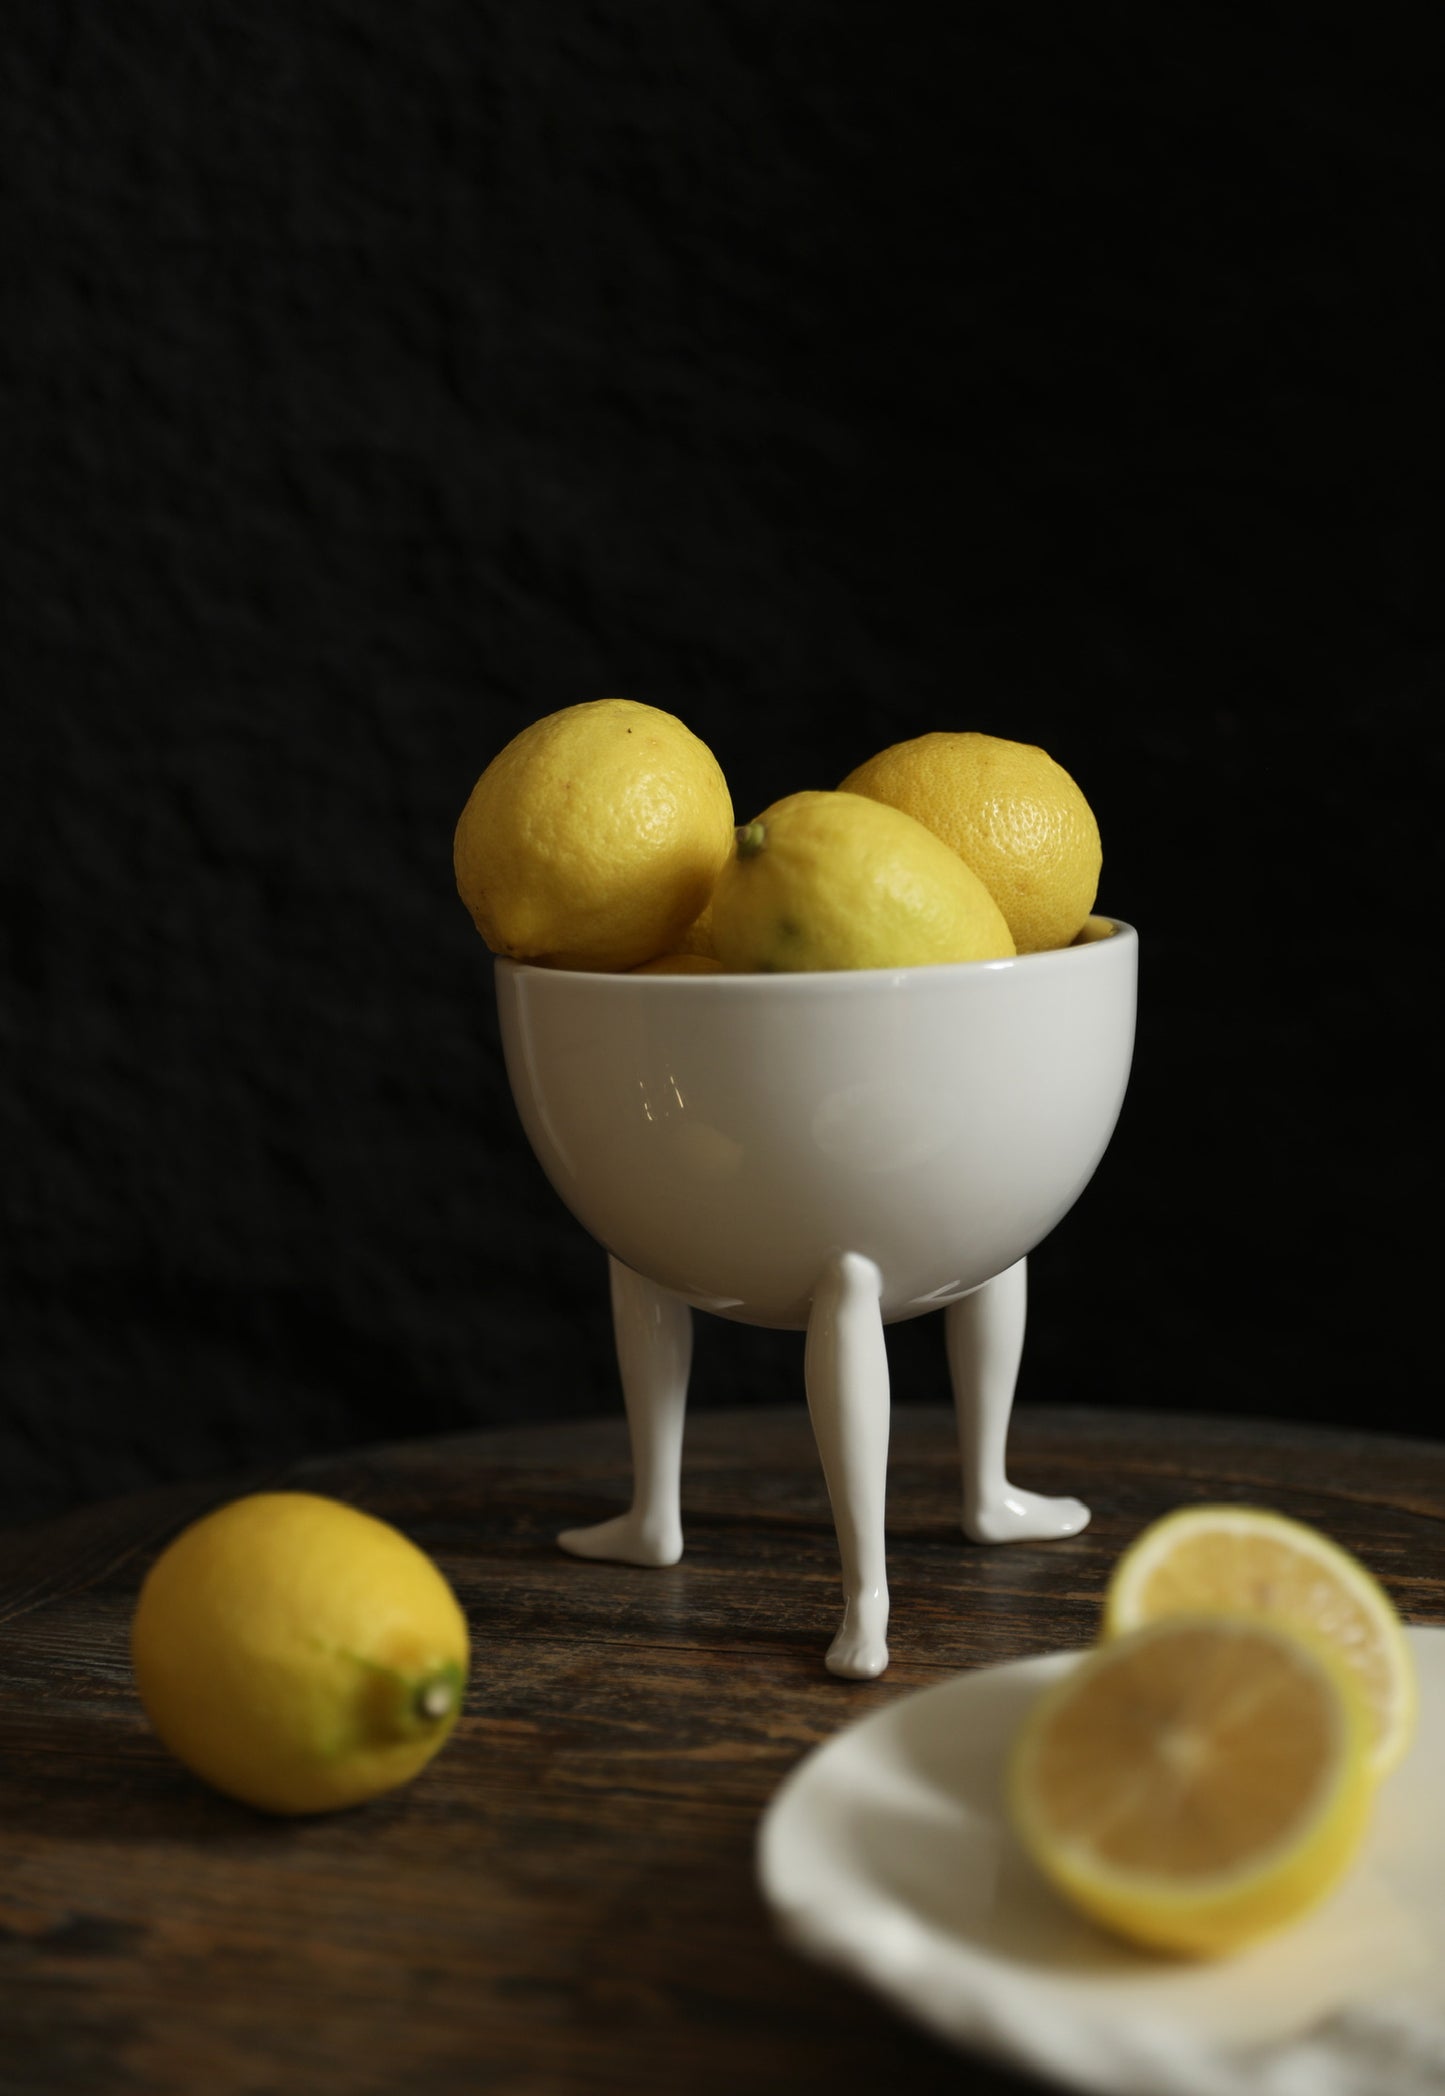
(752, 836)
(428, 1701)
(435, 1698)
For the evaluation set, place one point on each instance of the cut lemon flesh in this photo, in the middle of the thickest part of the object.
(1251, 1559)
(1195, 1784)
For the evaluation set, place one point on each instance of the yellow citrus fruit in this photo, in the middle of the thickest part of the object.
(680, 964)
(298, 1654)
(698, 936)
(1252, 1559)
(833, 880)
(593, 839)
(1013, 814)
(1195, 1785)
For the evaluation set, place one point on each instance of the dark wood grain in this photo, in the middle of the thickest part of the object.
(565, 1900)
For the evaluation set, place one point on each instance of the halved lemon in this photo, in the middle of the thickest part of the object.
(1249, 1558)
(1196, 1784)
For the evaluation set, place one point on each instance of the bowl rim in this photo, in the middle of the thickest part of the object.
(840, 981)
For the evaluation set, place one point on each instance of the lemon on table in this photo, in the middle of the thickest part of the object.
(1250, 1558)
(1197, 1784)
(593, 839)
(834, 880)
(1010, 812)
(298, 1654)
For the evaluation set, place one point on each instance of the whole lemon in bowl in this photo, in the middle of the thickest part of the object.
(1011, 813)
(835, 880)
(298, 1654)
(592, 840)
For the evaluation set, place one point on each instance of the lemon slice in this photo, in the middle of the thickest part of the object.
(1196, 1784)
(1249, 1558)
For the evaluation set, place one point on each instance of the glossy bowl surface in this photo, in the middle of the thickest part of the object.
(725, 1135)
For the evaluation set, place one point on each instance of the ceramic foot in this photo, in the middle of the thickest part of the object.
(860, 1650)
(985, 1336)
(845, 1369)
(627, 1539)
(1023, 1517)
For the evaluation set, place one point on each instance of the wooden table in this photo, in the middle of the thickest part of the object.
(565, 1900)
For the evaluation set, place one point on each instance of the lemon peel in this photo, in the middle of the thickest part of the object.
(1011, 812)
(593, 838)
(298, 1654)
(838, 881)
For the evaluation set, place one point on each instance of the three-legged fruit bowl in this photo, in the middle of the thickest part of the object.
(832, 1153)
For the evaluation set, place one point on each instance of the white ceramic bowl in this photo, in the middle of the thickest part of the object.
(727, 1136)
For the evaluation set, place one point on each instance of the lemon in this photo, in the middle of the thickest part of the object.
(593, 839)
(298, 1654)
(680, 964)
(1092, 930)
(698, 936)
(1253, 1559)
(1197, 1784)
(1013, 814)
(833, 880)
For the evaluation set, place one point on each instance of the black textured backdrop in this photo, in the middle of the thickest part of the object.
(379, 378)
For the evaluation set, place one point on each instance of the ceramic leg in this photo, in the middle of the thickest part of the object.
(653, 1333)
(846, 1372)
(985, 1337)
